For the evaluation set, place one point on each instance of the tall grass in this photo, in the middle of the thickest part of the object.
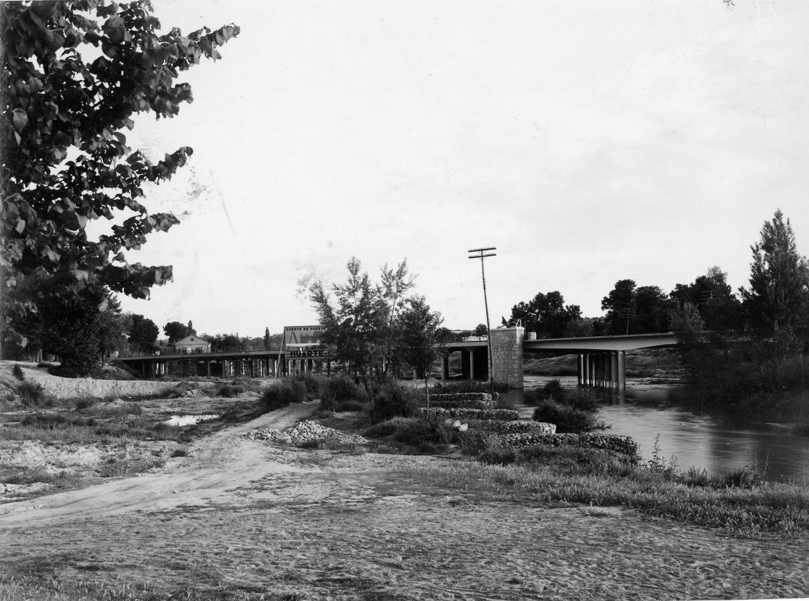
(780, 508)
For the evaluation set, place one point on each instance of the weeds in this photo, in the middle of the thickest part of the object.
(17, 372)
(33, 395)
(282, 394)
(516, 476)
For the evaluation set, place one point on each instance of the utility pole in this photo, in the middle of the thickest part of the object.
(482, 256)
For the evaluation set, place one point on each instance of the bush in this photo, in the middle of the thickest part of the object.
(284, 393)
(83, 403)
(566, 418)
(228, 390)
(425, 434)
(17, 372)
(393, 400)
(553, 390)
(314, 385)
(33, 395)
(350, 405)
(340, 391)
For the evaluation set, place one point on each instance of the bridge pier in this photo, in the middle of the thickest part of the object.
(602, 370)
(507, 356)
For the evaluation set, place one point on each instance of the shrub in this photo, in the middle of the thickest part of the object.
(339, 391)
(426, 434)
(314, 385)
(17, 372)
(393, 400)
(228, 390)
(83, 403)
(553, 390)
(284, 393)
(33, 395)
(566, 418)
(350, 405)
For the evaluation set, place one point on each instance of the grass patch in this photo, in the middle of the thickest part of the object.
(57, 427)
(767, 507)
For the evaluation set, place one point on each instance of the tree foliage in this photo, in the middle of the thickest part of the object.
(75, 76)
(718, 307)
(778, 296)
(545, 314)
(372, 327)
(419, 338)
(143, 334)
(175, 330)
(633, 310)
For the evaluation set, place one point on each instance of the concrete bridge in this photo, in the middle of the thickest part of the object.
(601, 359)
(231, 364)
(601, 362)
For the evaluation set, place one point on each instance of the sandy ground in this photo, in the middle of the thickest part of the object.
(246, 515)
(254, 517)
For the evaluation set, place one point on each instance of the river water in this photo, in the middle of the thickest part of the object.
(654, 411)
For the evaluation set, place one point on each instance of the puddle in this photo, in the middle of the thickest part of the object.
(189, 420)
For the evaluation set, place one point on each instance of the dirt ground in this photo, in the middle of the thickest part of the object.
(254, 517)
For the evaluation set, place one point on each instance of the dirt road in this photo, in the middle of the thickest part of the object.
(252, 518)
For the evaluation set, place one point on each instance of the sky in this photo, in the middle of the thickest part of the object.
(587, 141)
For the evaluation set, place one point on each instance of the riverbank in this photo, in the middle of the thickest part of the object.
(239, 514)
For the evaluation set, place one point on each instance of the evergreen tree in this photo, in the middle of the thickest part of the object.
(778, 297)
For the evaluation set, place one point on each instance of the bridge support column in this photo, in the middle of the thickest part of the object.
(507, 356)
(471, 364)
(444, 368)
(614, 370)
(580, 370)
(621, 370)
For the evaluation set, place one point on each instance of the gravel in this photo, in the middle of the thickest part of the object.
(304, 432)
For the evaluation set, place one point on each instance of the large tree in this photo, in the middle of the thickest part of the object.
(636, 310)
(75, 75)
(355, 328)
(620, 307)
(175, 330)
(419, 337)
(143, 334)
(778, 296)
(545, 314)
(710, 294)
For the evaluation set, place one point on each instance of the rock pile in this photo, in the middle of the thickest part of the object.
(609, 442)
(516, 427)
(483, 414)
(304, 432)
(468, 400)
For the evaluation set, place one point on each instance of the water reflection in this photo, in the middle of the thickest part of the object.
(655, 412)
(188, 420)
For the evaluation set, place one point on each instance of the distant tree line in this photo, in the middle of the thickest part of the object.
(776, 300)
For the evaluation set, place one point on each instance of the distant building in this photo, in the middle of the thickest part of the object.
(193, 344)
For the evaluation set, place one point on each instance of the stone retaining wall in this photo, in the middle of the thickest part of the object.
(485, 414)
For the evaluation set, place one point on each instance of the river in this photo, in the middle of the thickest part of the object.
(656, 411)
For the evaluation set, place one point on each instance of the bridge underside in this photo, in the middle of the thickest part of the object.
(230, 365)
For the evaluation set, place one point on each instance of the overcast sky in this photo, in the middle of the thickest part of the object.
(588, 141)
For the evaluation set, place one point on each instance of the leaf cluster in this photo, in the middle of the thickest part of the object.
(75, 76)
